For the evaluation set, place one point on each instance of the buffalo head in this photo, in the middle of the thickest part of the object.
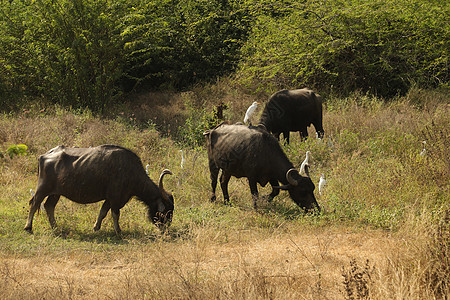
(301, 190)
(161, 213)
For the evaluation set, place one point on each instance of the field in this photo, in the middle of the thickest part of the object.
(383, 233)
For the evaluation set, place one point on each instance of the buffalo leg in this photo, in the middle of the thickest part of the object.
(274, 192)
(214, 173)
(286, 135)
(319, 130)
(304, 134)
(320, 134)
(254, 191)
(224, 179)
(115, 216)
(318, 125)
(49, 206)
(103, 212)
(35, 203)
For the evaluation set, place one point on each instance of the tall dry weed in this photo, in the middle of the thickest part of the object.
(357, 280)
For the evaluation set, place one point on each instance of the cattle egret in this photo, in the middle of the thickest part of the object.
(146, 169)
(182, 159)
(250, 111)
(305, 163)
(424, 151)
(322, 183)
(31, 192)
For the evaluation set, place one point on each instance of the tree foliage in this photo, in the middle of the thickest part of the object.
(378, 46)
(66, 50)
(86, 53)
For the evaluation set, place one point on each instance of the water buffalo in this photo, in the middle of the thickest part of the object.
(252, 152)
(87, 175)
(293, 110)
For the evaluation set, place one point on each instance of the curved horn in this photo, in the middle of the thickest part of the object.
(161, 187)
(289, 177)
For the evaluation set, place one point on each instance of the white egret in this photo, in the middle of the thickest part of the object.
(250, 111)
(182, 159)
(424, 151)
(31, 192)
(146, 169)
(305, 163)
(322, 183)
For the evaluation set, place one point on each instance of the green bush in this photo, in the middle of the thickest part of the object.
(86, 53)
(341, 46)
(65, 51)
(14, 150)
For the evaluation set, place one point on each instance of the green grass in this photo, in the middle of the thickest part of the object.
(376, 180)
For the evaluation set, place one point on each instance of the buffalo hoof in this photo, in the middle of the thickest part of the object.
(213, 198)
(29, 230)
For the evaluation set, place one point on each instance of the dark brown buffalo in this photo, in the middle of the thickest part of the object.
(88, 175)
(293, 110)
(252, 152)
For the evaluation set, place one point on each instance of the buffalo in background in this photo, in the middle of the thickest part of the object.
(293, 110)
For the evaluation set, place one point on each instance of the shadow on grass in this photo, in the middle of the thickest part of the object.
(277, 207)
(125, 238)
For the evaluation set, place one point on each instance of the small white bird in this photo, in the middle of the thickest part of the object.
(146, 169)
(322, 183)
(182, 159)
(32, 192)
(424, 151)
(305, 163)
(250, 111)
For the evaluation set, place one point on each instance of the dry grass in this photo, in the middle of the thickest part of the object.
(383, 233)
(279, 266)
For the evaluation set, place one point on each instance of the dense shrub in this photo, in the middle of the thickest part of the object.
(342, 46)
(86, 53)
(66, 51)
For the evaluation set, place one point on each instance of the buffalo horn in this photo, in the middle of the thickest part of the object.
(289, 177)
(161, 187)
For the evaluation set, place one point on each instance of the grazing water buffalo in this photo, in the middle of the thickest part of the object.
(88, 175)
(252, 152)
(293, 110)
